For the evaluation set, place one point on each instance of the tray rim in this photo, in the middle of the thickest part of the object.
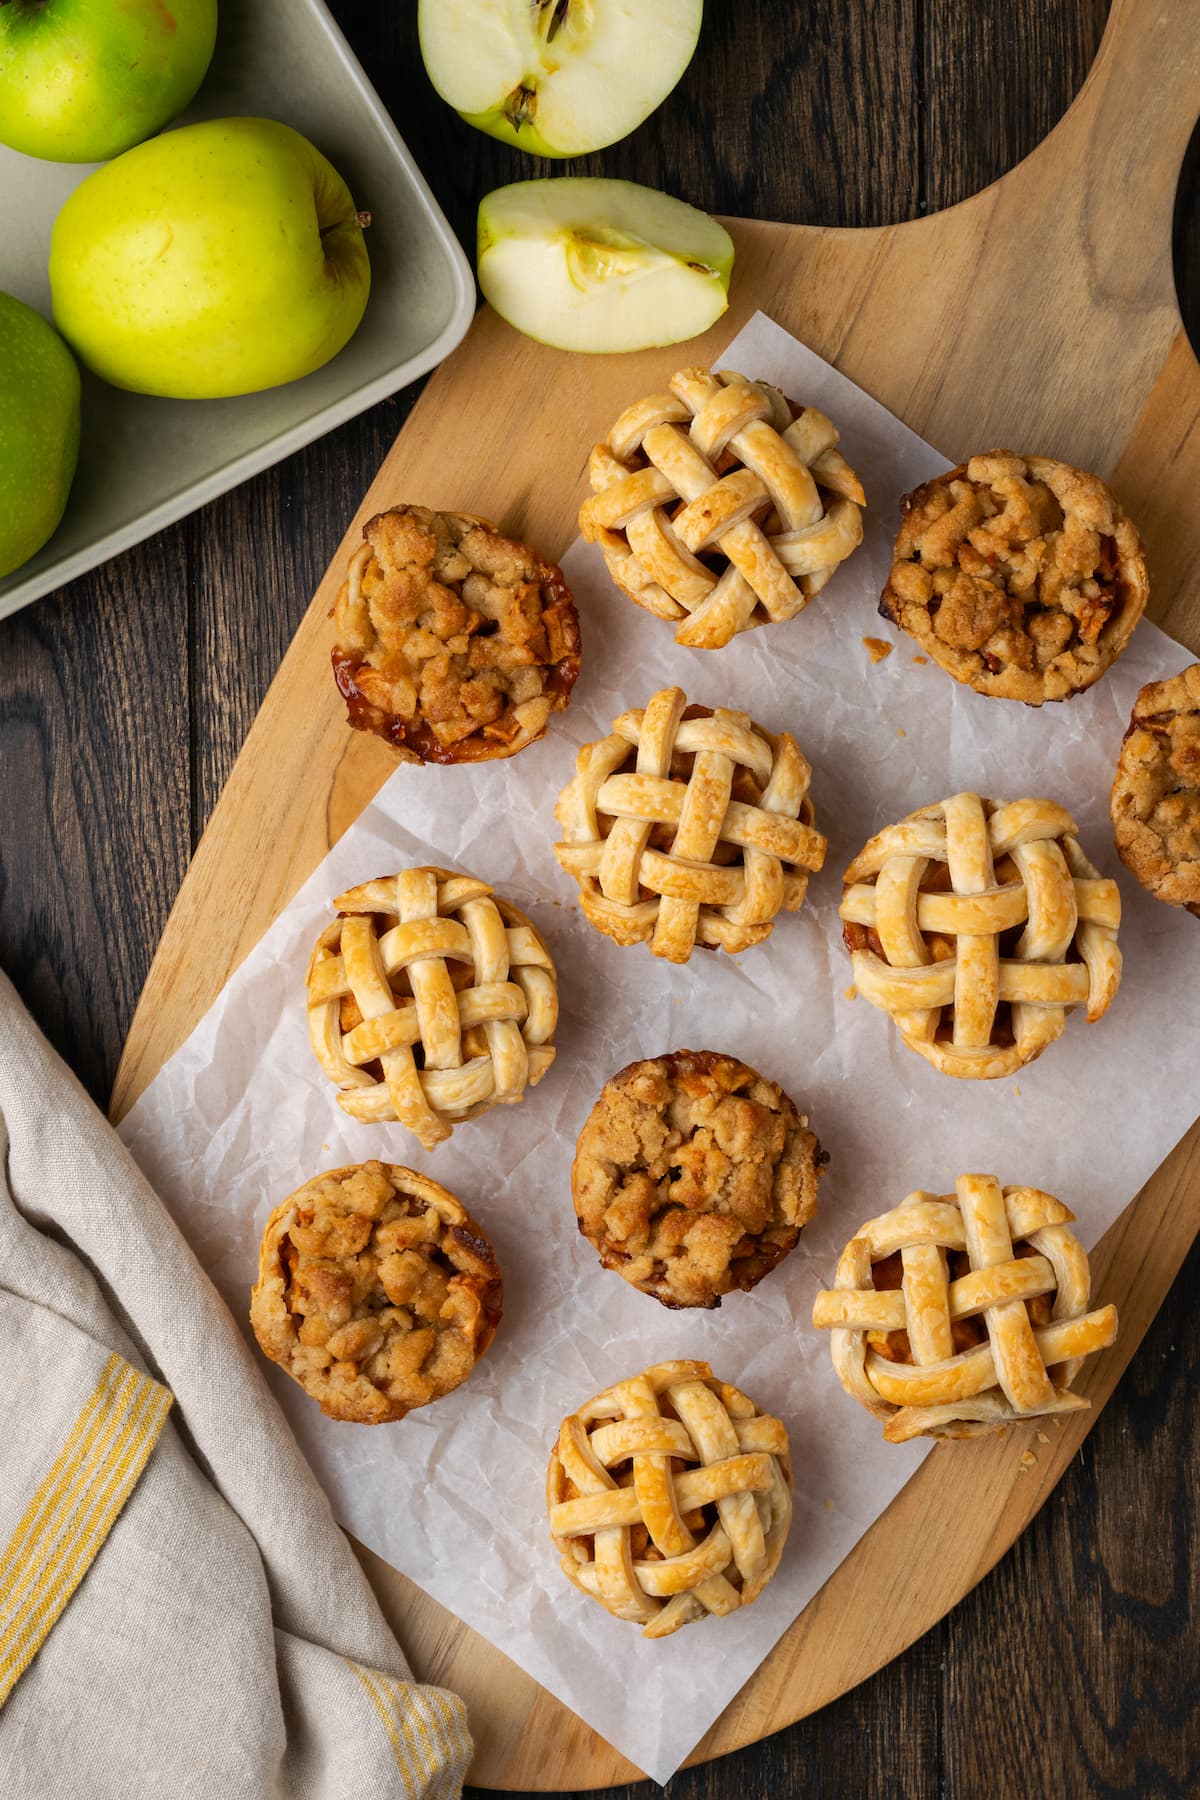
(58, 572)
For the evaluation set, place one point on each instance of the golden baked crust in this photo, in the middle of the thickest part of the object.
(688, 826)
(721, 505)
(957, 1314)
(376, 1291)
(454, 642)
(650, 1537)
(1020, 575)
(430, 1000)
(693, 1176)
(978, 925)
(1155, 802)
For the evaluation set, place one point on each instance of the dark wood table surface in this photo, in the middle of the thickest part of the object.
(1072, 1668)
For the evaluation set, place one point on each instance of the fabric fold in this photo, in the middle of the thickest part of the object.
(179, 1611)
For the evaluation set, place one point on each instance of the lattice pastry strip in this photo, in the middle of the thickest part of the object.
(429, 1001)
(687, 826)
(960, 1348)
(933, 907)
(657, 1542)
(720, 505)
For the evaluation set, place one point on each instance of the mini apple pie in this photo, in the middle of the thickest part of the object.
(454, 642)
(1155, 802)
(978, 925)
(958, 1314)
(694, 1176)
(688, 826)
(429, 1001)
(670, 1497)
(721, 505)
(376, 1291)
(1020, 575)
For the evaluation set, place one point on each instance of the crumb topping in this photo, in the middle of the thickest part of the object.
(693, 1176)
(453, 642)
(1021, 576)
(1156, 794)
(376, 1291)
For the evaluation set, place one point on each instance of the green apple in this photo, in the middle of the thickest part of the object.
(39, 430)
(557, 77)
(82, 80)
(217, 259)
(585, 263)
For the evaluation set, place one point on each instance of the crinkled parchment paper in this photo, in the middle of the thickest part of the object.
(453, 1495)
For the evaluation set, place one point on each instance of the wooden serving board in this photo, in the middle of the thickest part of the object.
(1040, 314)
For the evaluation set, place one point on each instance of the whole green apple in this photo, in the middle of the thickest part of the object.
(39, 430)
(82, 80)
(217, 259)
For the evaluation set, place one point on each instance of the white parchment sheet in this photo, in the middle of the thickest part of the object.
(453, 1495)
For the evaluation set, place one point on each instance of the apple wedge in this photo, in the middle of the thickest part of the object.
(557, 77)
(585, 263)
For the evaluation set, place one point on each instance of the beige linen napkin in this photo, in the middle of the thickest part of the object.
(179, 1612)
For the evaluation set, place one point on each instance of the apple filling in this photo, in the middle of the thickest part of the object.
(454, 642)
(888, 1275)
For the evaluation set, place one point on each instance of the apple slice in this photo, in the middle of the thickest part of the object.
(585, 263)
(557, 77)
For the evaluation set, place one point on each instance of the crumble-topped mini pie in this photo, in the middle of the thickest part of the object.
(958, 1314)
(721, 505)
(454, 642)
(688, 826)
(1155, 802)
(653, 1539)
(376, 1291)
(430, 1000)
(693, 1176)
(1021, 576)
(978, 925)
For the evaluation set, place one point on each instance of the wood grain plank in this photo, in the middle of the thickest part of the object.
(94, 818)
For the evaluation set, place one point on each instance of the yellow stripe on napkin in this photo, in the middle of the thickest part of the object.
(73, 1510)
(426, 1729)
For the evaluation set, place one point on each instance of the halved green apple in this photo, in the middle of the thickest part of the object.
(585, 263)
(557, 77)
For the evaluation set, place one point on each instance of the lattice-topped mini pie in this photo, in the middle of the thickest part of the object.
(670, 1497)
(721, 505)
(1155, 801)
(688, 826)
(978, 925)
(376, 1291)
(694, 1176)
(454, 642)
(429, 1001)
(1021, 576)
(955, 1315)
